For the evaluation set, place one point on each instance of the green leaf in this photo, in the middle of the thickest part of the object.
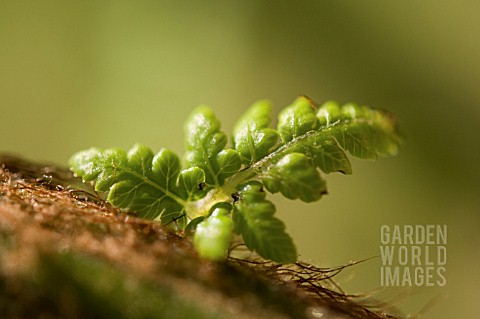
(97, 165)
(205, 145)
(295, 176)
(297, 119)
(261, 231)
(329, 113)
(227, 164)
(287, 160)
(139, 181)
(214, 234)
(190, 183)
(366, 133)
(252, 137)
(325, 153)
(323, 136)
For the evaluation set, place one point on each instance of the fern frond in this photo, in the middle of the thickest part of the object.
(221, 188)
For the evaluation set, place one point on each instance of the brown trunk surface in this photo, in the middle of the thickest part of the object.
(66, 253)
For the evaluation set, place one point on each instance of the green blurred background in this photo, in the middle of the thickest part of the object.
(75, 74)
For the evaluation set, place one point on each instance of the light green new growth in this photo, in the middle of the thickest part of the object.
(220, 189)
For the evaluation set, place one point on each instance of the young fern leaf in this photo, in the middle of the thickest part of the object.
(151, 185)
(205, 145)
(221, 188)
(252, 137)
(312, 138)
(214, 234)
(300, 129)
(295, 176)
(364, 132)
(261, 231)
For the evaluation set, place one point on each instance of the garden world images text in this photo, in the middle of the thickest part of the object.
(413, 255)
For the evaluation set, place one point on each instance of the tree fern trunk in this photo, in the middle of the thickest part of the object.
(65, 253)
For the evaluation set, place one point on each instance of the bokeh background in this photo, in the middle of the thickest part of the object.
(75, 74)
